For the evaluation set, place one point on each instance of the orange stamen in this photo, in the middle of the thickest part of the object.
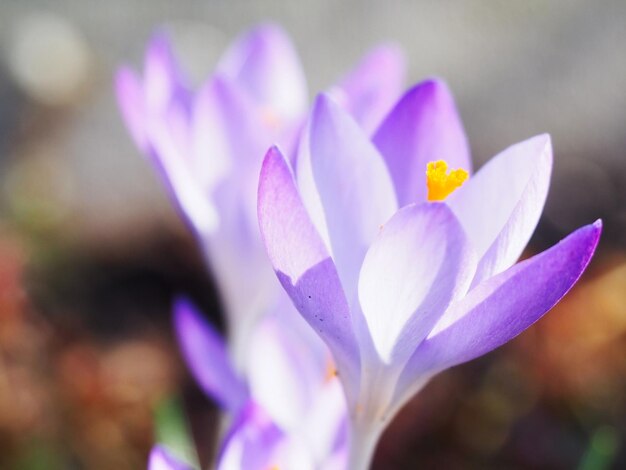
(440, 182)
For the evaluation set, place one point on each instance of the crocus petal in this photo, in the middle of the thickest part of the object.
(370, 90)
(163, 79)
(210, 157)
(324, 427)
(250, 441)
(227, 122)
(228, 148)
(500, 206)
(417, 265)
(177, 174)
(256, 443)
(237, 258)
(160, 459)
(354, 186)
(286, 368)
(206, 356)
(264, 62)
(307, 187)
(303, 265)
(503, 306)
(424, 126)
(130, 99)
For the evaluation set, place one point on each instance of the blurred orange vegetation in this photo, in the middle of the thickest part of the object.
(74, 400)
(580, 347)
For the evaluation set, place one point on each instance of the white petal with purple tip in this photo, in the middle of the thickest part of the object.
(303, 265)
(502, 307)
(419, 263)
(500, 205)
(355, 189)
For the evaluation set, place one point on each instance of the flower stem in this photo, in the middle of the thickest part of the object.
(363, 440)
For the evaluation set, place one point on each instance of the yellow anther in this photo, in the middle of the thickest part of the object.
(442, 183)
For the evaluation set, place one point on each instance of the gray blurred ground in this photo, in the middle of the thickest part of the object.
(516, 68)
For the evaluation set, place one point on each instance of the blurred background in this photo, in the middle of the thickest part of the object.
(91, 250)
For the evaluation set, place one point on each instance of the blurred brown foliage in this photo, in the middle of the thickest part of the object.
(65, 399)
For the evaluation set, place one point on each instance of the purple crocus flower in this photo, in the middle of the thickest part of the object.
(288, 407)
(208, 145)
(400, 282)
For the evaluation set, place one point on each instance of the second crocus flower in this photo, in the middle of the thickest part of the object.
(208, 146)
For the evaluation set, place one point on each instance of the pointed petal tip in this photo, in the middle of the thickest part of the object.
(159, 41)
(389, 53)
(187, 319)
(184, 315)
(583, 243)
(122, 74)
(181, 305)
(435, 82)
(434, 86)
(218, 85)
(323, 103)
(595, 229)
(127, 86)
(544, 139)
(272, 157)
(159, 48)
(546, 136)
(274, 150)
(270, 28)
(432, 91)
(327, 109)
(215, 84)
(273, 162)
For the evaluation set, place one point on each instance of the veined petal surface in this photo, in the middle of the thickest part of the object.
(354, 186)
(500, 205)
(503, 306)
(419, 263)
(303, 264)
